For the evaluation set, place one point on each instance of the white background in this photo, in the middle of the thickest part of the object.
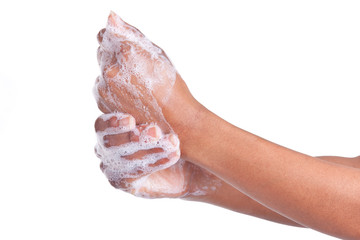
(285, 70)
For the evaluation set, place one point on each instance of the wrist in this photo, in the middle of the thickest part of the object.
(184, 113)
(189, 125)
(202, 185)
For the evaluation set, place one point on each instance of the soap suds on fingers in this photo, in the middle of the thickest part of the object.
(132, 65)
(114, 158)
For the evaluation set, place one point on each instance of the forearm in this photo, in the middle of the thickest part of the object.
(228, 197)
(312, 192)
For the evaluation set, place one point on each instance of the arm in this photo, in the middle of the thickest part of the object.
(180, 180)
(228, 197)
(308, 190)
(223, 194)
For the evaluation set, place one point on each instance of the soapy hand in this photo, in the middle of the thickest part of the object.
(136, 75)
(140, 159)
(145, 162)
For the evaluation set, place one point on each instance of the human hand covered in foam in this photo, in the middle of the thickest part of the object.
(136, 75)
(145, 162)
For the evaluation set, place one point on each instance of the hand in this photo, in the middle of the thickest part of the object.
(136, 75)
(143, 161)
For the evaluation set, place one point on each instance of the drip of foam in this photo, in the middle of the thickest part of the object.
(176, 181)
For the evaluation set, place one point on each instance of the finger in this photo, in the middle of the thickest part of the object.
(146, 133)
(115, 120)
(116, 175)
(123, 29)
(166, 162)
(143, 133)
(116, 139)
(170, 142)
(142, 153)
(159, 162)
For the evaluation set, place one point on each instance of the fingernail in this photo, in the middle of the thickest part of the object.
(113, 122)
(154, 132)
(174, 140)
(124, 122)
(127, 122)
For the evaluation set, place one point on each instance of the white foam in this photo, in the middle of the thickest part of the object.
(117, 166)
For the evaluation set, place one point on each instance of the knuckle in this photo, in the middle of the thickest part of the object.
(107, 142)
(97, 124)
(102, 167)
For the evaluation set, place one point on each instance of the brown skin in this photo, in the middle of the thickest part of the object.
(225, 195)
(310, 191)
(268, 180)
